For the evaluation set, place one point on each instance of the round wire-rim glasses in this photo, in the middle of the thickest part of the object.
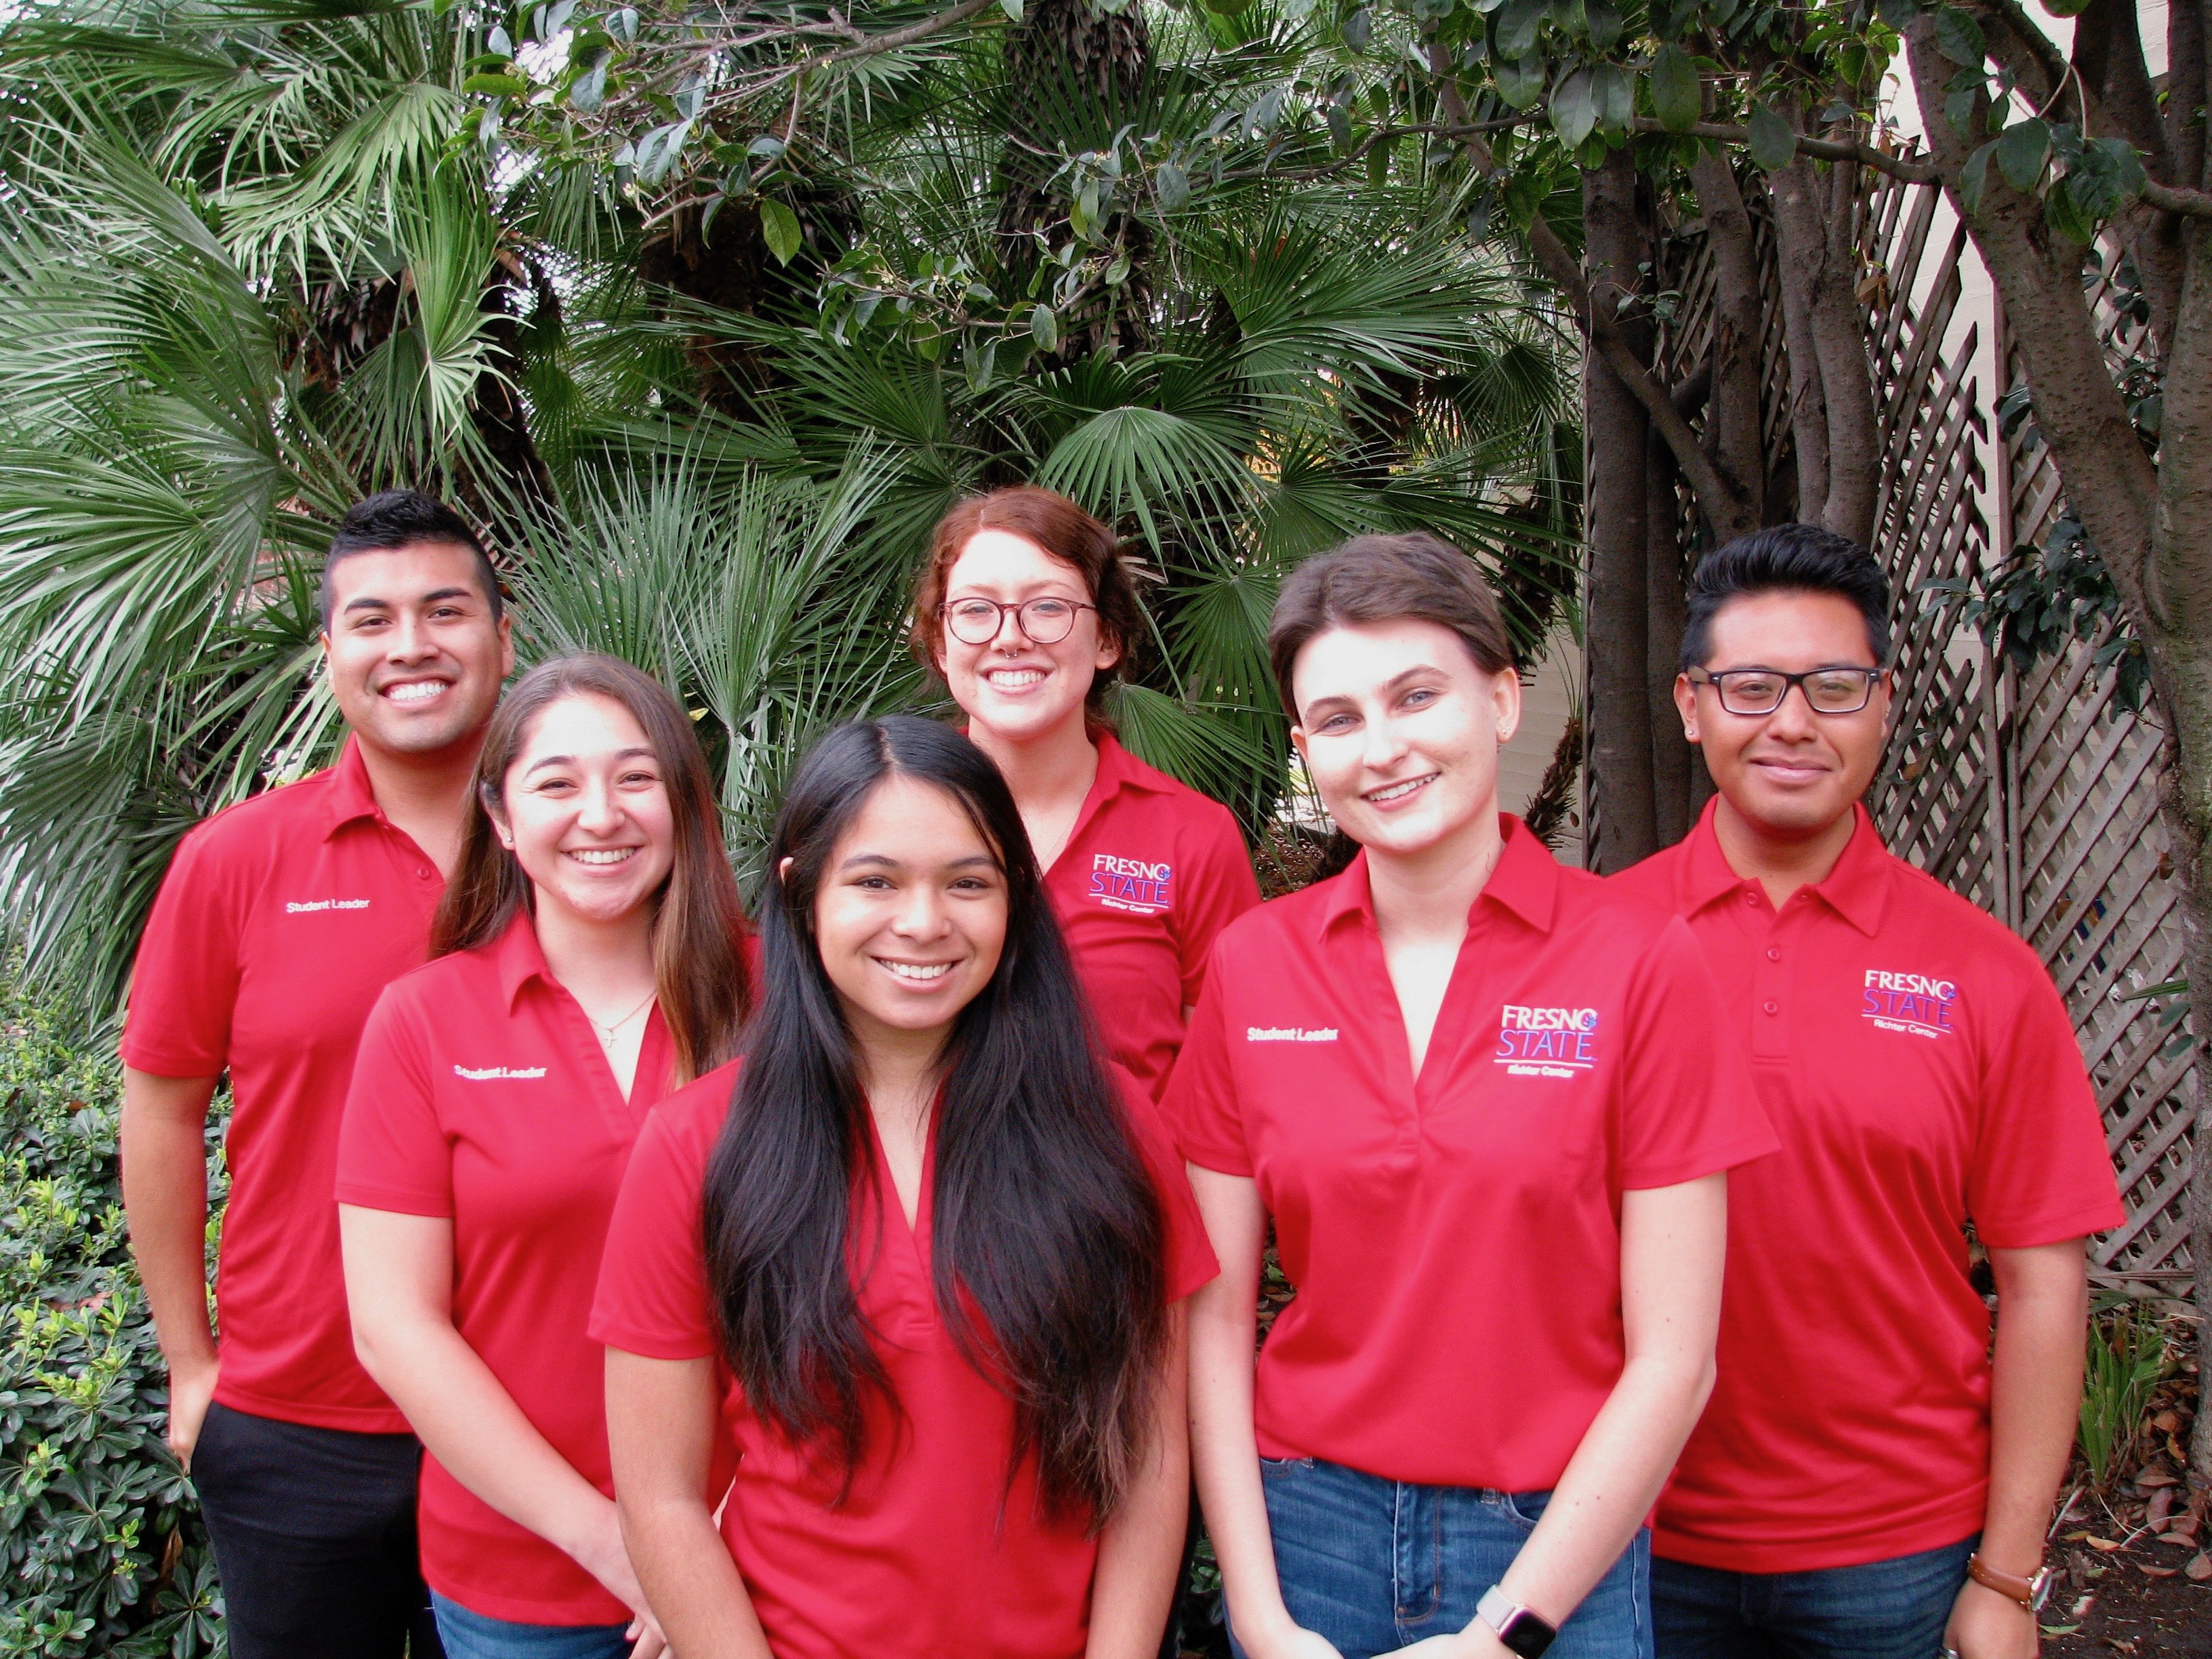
(1044, 621)
(1760, 691)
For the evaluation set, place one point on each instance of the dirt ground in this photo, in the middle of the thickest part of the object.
(2136, 1601)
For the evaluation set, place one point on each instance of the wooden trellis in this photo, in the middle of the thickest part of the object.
(2034, 794)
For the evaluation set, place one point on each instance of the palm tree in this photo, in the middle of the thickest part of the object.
(263, 256)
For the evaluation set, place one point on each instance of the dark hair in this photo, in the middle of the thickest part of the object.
(399, 518)
(1379, 578)
(1787, 558)
(699, 972)
(1061, 529)
(1048, 1231)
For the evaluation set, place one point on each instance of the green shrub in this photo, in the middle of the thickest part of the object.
(101, 1548)
(2126, 1358)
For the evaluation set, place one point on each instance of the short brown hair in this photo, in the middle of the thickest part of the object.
(1379, 578)
(699, 968)
(1061, 529)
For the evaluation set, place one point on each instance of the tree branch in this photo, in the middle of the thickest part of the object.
(1724, 509)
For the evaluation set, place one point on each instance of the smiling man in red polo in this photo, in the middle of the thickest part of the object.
(1870, 1481)
(279, 922)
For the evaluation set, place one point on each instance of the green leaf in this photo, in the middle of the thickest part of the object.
(780, 229)
(2021, 153)
(1012, 9)
(2106, 176)
(1974, 178)
(590, 90)
(1172, 184)
(1772, 142)
(1044, 328)
(1514, 28)
(1521, 83)
(1614, 95)
(497, 86)
(1676, 99)
(623, 24)
(1574, 109)
(1958, 38)
(1603, 18)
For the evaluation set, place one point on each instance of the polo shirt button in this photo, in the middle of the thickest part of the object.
(1773, 1007)
(424, 873)
(1772, 954)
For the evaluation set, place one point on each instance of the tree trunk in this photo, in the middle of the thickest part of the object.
(2149, 525)
(1619, 618)
(1733, 400)
(1819, 256)
(1663, 607)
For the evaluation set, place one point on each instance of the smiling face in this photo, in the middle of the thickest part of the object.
(1013, 689)
(414, 655)
(586, 811)
(1792, 774)
(910, 916)
(1400, 729)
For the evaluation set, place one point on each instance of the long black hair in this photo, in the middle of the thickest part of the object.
(1043, 1212)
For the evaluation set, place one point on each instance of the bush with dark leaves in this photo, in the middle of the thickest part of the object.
(101, 1547)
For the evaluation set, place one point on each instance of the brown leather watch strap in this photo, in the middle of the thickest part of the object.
(2021, 1590)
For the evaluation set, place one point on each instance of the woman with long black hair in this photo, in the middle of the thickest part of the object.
(589, 958)
(920, 1254)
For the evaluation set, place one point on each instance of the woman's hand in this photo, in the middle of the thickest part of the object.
(1288, 1641)
(601, 1553)
(1984, 1625)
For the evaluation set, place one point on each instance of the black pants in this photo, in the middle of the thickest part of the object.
(314, 1538)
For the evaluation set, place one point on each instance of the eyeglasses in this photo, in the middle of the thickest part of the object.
(1045, 621)
(1760, 691)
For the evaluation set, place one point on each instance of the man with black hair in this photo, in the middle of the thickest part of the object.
(1870, 1480)
(277, 924)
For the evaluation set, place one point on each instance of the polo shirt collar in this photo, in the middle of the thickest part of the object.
(1117, 768)
(1855, 888)
(1526, 882)
(516, 956)
(350, 796)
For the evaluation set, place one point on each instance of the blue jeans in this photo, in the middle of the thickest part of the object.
(474, 1635)
(1893, 1609)
(1375, 1566)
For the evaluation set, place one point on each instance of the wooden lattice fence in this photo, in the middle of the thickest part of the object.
(2033, 794)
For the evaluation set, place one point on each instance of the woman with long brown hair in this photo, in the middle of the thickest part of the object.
(588, 958)
(1026, 609)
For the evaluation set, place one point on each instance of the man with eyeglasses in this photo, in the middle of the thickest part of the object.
(1870, 1479)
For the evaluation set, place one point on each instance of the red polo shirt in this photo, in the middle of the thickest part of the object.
(1153, 872)
(279, 922)
(482, 1095)
(1454, 1240)
(931, 1552)
(1922, 1073)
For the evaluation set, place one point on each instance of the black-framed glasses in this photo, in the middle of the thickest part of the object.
(1046, 621)
(1760, 691)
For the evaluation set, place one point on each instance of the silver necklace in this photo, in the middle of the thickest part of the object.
(606, 1033)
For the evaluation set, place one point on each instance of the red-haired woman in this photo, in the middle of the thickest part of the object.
(588, 957)
(1026, 610)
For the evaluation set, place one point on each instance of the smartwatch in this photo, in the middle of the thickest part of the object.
(1523, 1632)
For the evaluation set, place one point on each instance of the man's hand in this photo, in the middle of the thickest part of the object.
(1984, 1625)
(192, 1387)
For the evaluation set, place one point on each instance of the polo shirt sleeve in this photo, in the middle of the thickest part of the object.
(1687, 1106)
(185, 984)
(653, 1298)
(1222, 889)
(1189, 1256)
(393, 1153)
(2040, 1171)
(1200, 1103)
